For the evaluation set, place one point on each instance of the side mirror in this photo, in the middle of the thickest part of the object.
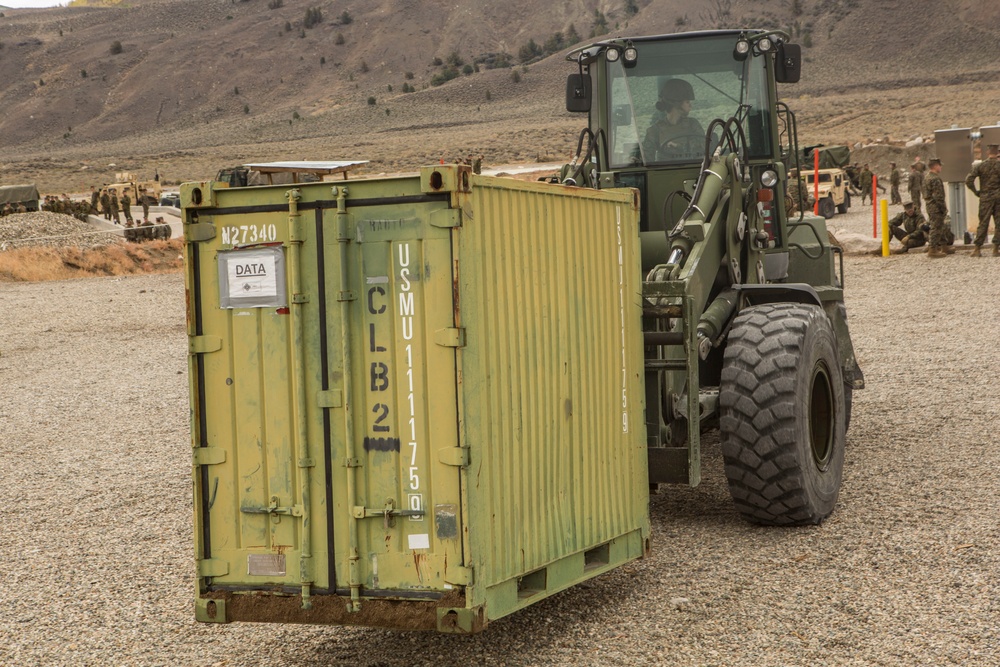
(578, 93)
(788, 63)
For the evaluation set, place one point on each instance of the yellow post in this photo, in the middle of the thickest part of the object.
(885, 228)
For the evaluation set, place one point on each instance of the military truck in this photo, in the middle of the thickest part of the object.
(20, 194)
(128, 183)
(430, 401)
(834, 183)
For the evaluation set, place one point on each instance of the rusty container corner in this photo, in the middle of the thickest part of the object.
(416, 403)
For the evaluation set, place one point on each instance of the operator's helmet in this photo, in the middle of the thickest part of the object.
(673, 92)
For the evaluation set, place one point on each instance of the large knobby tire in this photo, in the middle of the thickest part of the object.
(842, 208)
(827, 208)
(782, 414)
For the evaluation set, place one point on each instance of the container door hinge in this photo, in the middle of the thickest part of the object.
(204, 344)
(332, 398)
(446, 218)
(295, 226)
(212, 567)
(451, 337)
(198, 232)
(459, 576)
(454, 456)
(209, 456)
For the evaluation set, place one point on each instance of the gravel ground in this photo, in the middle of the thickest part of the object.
(96, 552)
(53, 230)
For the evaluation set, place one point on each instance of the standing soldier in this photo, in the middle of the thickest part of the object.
(127, 207)
(988, 173)
(936, 210)
(114, 207)
(866, 183)
(144, 200)
(894, 180)
(915, 184)
(94, 198)
(106, 204)
(918, 165)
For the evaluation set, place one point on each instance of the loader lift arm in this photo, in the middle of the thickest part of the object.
(720, 255)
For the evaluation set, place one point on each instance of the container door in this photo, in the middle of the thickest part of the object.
(257, 368)
(407, 510)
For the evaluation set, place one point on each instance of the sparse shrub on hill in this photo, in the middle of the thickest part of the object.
(314, 16)
(346, 18)
(339, 39)
(275, 4)
(364, 67)
(444, 76)
(116, 48)
(631, 8)
(83, 73)
(494, 60)
(409, 75)
(371, 101)
(600, 24)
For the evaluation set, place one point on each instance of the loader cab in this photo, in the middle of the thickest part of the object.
(657, 105)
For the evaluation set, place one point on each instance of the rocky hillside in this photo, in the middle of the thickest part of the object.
(187, 86)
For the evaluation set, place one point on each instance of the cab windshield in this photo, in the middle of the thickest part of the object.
(660, 109)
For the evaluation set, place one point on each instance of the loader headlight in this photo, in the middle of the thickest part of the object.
(613, 55)
(629, 56)
(768, 178)
(741, 50)
(765, 45)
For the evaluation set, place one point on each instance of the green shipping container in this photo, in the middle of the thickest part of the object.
(415, 402)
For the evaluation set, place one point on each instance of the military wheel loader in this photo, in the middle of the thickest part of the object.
(744, 323)
(429, 401)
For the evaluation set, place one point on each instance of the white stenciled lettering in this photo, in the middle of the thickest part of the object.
(407, 312)
(621, 310)
(249, 234)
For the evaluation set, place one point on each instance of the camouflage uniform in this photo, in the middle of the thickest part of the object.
(936, 209)
(988, 173)
(792, 194)
(94, 198)
(908, 228)
(106, 205)
(915, 185)
(866, 183)
(114, 208)
(144, 200)
(894, 180)
(127, 208)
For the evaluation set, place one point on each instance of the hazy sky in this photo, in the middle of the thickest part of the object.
(20, 4)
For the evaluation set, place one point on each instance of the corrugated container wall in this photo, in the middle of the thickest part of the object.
(416, 402)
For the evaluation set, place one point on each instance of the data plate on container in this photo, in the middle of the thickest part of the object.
(252, 278)
(266, 565)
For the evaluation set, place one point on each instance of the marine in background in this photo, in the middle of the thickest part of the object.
(937, 209)
(987, 173)
(909, 227)
(894, 181)
(915, 185)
